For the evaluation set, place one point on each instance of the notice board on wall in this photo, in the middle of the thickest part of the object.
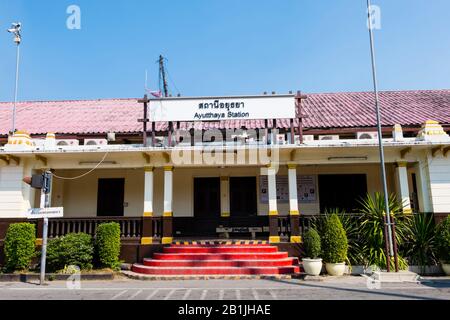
(306, 189)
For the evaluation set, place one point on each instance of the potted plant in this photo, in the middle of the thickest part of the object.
(312, 264)
(443, 243)
(334, 245)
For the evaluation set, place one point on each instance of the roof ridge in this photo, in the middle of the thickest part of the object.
(307, 93)
(379, 91)
(71, 100)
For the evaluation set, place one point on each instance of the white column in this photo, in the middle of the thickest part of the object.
(148, 191)
(293, 199)
(168, 191)
(274, 236)
(224, 197)
(423, 186)
(272, 190)
(401, 172)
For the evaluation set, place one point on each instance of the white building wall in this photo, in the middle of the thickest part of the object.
(16, 197)
(439, 182)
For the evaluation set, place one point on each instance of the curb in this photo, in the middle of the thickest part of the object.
(138, 276)
(27, 277)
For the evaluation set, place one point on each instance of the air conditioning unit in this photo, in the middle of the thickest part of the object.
(281, 139)
(329, 137)
(39, 142)
(160, 141)
(67, 142)
(95, 142)
(367, 135)
(306, 138)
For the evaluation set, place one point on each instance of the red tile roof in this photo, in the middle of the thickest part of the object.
(324, 110)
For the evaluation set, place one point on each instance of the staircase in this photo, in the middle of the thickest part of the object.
(245, 259)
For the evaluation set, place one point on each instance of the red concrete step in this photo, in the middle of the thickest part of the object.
(206, 245)
(219, 249)
(222, 263)
(221, 256)
(139, 268)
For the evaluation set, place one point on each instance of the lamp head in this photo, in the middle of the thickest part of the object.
(15, 30)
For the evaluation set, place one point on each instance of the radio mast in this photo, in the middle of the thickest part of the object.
(162, 77)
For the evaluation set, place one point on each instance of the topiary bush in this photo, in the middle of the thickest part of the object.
(443, 240)
(72, 249)
(334, 240)
(19, 246)
(312, 244)
(107, 244)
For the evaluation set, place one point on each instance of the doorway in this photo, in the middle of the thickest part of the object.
(341, 191)
(207, 197)
(110, 197)
(243, 196)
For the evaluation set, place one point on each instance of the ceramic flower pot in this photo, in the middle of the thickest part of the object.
(312, 266)
(446, 268)
(335, 269)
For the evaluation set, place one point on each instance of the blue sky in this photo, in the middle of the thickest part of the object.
(218, 47)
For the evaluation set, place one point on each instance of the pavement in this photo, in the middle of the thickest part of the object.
(340, 288)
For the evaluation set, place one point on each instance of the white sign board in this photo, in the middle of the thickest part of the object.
(222, 108)
(38, 213)
(306, 189)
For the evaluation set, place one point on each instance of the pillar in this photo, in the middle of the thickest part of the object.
(147, 222)
(273, 211)
(423, 186)
(401, 173)
(294, 214)
(225, 197)
(168, 213)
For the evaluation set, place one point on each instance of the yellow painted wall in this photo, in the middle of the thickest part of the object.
(79, 197)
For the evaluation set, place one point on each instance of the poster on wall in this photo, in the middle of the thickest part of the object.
(306, 189)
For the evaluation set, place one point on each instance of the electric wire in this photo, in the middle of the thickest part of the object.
(84, 174)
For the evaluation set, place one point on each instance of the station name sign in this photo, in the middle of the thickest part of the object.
(39, 213)
(223, 108)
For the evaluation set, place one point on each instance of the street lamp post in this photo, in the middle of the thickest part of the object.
(15, 30)
(380, 137)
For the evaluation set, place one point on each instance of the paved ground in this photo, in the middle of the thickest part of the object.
(127, 289)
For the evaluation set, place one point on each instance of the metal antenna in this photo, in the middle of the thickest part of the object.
(162, 76)
(380, 137)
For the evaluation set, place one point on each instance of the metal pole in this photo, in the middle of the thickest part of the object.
(16, 88)
(45, 204)
(44, 251)
(386, 241)
(380, 137)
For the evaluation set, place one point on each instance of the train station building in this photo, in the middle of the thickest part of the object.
(233, 168)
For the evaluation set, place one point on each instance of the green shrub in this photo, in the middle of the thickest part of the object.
(443, 240)
(107, 244)
(334, 241)
(72, 249)
(352, 226)
(19, 246)
(311, 244)
(420, 240)
(372, 230)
